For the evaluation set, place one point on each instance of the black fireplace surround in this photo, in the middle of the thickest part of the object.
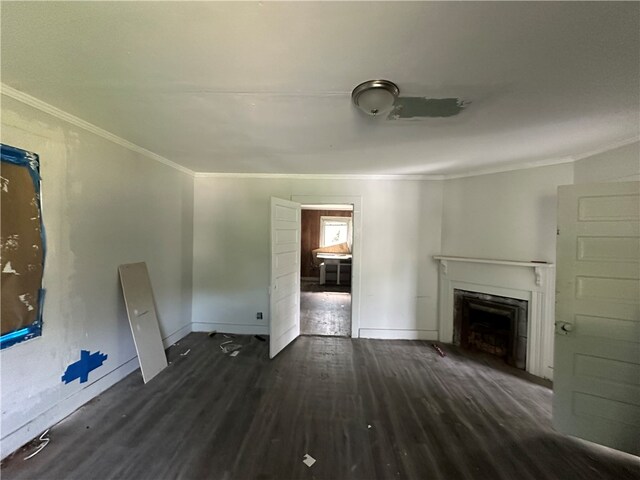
(492, 324)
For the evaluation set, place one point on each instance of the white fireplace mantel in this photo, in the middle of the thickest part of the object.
(531, 281)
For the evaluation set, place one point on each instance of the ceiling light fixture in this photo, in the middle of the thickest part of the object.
(375, 97)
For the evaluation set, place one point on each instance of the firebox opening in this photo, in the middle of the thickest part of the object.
(491, 324)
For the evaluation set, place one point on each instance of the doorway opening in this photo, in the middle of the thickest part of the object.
(326, 269)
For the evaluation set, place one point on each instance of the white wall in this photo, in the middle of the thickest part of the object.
(400, 233)
(103, 205)
(509, 215)
(619, 164)
(512, 215)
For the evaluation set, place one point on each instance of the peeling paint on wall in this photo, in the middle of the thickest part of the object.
(423, 107)
(26, 300)
(11, 243)
(9, 269)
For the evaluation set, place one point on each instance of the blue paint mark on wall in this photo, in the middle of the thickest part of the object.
(82, 367)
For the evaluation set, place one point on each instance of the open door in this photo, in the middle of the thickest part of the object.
(597, 340)
(285, 274)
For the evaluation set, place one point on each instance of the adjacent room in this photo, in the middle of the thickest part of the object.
(320, 240)
(326, 253)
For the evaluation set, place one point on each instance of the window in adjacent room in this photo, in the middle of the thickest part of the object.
(335, 230)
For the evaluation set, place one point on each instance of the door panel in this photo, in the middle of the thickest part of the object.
(597, 342)
(285, 274)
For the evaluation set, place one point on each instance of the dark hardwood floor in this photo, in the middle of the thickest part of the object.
(364, 409)
(325, 313)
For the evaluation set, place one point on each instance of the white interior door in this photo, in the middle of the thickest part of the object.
(597, 340)
(284, 290)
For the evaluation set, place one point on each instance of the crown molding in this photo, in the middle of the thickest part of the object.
(78, 122)
(542, 163)
(606, 148)
(471, 173)
(317, 176)
(509, 168)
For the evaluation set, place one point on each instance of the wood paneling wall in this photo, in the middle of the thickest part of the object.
(310, 221)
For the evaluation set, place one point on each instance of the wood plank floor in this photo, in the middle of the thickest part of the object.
(325, 313)
(364, 409)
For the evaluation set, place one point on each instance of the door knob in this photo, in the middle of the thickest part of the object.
(563, 328)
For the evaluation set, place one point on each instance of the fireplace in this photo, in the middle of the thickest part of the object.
(491, 324)
(532, 282)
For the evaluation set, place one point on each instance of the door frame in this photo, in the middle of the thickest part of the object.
(356, 201)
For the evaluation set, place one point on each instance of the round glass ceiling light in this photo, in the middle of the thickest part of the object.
(375, 97)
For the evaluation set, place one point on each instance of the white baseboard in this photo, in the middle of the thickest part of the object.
(67, 406)
(64, 408)
(230, 328)
(392, 334)
(177, 335)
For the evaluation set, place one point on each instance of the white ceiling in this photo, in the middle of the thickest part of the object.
(265, 87)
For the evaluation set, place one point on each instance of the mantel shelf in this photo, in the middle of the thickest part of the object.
(512, 263)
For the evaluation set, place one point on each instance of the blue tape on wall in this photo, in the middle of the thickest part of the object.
(82, 367)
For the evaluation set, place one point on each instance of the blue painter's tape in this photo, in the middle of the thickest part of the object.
(82, 367)
(17, 336)
(23, 158)
(18, 333)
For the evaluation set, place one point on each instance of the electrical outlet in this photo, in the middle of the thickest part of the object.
(259, 315)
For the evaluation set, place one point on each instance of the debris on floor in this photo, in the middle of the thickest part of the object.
(45, 441)
(234, 353)
(184, 354)
(213, 334)
(228, 335)
(229, 346)
(308, 460)
(261, 338)
(439, 350)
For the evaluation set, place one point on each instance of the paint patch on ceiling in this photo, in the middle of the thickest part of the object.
(423, 107)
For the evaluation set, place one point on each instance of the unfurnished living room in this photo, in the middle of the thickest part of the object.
(320, 240)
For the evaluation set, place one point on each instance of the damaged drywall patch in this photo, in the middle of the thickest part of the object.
(423, 107)
(22, 246)
(82, 367)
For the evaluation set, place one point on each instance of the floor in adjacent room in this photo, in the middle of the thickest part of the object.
(325, 309)
(363, 409)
